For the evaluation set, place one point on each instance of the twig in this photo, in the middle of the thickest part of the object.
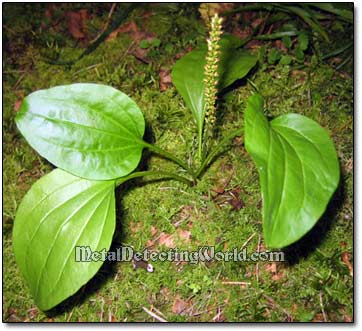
(309, 97)
(158, 318)
(190, 311)
(158, 312)
(109, 316)
(70, 315)
(126, 52)
(347, 59)
(235, 283)
(198, 313)
(216, 317)
(19, 80)
(88, 68)
(107, 22)
(322, 307)
(248, 240)
(102, 310)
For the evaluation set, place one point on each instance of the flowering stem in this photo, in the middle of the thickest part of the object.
(217, 150)
(200, 144)
(211, 77)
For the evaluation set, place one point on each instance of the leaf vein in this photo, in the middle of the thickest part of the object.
(72, 249)
(43, 220)
(56, 120)
(65, 222)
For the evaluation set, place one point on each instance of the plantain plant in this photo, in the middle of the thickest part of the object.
(94, 135)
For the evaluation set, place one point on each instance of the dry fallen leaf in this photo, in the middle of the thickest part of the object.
(33, 312)
(345, 259)
(166, 240)
(242, 33)
(141, 54)
(165, 291)
(278, 276)
(154, 230)
(219, 317)
(136, 226)
(236, 202)
(136, 35)
(280, 45)
(184, 235)
(179, 305)
(271, 267)
(75, 23)
(12, 315)
(150, 243)
(52, 20)
(130, 27)
(179, 282)
(231, 197)
(165, 79)
(17, 105)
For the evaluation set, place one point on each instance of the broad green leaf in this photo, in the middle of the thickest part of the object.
(188, 73)
(187, 76)
(91, 130)
(234, 63)
(298, 169)
(58, 213)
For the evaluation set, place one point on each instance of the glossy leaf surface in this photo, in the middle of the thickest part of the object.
(57, 214)
(298, 169)
(91, 130)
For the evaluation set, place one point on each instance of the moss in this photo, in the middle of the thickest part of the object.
(314, 274)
